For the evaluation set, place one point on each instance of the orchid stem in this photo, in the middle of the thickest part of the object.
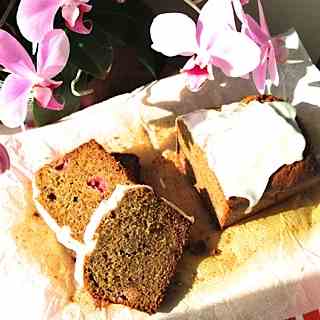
(268, 87)
(74, 82)
(192, 5)
(7, 12)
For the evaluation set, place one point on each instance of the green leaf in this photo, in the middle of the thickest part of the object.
(148, 60)
(71, 103)
(91, 53)
(129, 23)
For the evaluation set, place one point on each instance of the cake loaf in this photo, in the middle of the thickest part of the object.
(246, 156)
(133, 243)
(68, 190)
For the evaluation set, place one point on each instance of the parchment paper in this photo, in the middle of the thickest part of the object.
(265, 268)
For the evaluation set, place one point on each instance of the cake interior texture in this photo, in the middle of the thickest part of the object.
(138, 246)
(285, 182)
(72, 187)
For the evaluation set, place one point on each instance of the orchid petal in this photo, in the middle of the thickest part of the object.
(190, 64)
(194, 82)
(4, 159)
(79, 26)
(272, 67)
(35, 18)
(14, 57)
(14, 101)
(254, 31)
(259, 77)
(70, 13)
(264, 53)
(215, 17)
(195, 76)
(85, 8)
(46, 99)
(52, 84)
(280, 49)
(174, 34)
(53, 54)
(262, 18)
(228, 50)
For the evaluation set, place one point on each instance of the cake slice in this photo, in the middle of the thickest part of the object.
(132, 245)
(246, 156)
(127, 241)
(68, 190)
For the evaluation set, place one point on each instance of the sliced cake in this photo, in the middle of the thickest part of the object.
(246, 156)
(127, 241)
(68, 190)
(132, 245)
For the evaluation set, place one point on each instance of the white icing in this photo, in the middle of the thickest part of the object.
(81, 254)
(105, 207)
(63, 234)
(245, 145)
(90, 242)
(81, 250)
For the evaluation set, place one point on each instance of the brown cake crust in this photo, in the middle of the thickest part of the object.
(138, 247)
(72, 187)
(286, 181)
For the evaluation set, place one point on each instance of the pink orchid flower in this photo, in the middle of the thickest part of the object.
(214, 40)
(273, 50)
(35, 18)
(53, 54)
(4, 159)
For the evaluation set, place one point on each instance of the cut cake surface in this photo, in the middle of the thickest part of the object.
(71, 188)
(139, 243)
(286, 181)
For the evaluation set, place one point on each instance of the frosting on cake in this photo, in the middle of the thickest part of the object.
(246, 144)
(81, 250)
(63, 234)
(105, 207)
